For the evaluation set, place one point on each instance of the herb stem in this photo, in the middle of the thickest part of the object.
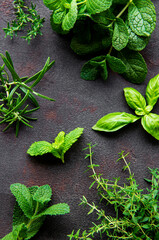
(33, 217)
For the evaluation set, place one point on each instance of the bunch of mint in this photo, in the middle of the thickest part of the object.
(30, 210)
(117, 28)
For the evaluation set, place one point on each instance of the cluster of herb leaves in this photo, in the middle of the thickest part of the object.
(119, 28)
(60, 146)
(136, 213)
(14, 92)
(150, 121)
(30, 210)
(25, 16)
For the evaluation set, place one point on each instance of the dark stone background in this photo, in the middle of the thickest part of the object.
(78, 104)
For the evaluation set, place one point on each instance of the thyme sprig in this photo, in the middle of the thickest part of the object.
(25, 16)
(15, 91)
(136, 213)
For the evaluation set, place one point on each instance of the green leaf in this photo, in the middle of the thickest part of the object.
(71, 138)
(43, 194)
(20, 231)
(23, 197)
(150, 123)
(9, 237)
(104, 18)
(97, 6)
(136, 43)
(95, 68)
(142, 17)
(136, 68)
(116, 64)
(114, 121)
(152, 91)
(51, 4)
(19, 218)
(134, 99)
(57, 146)
(39, 148)
(56, 27)
(120, 35)
(56, 209)
(71, 17)
(58, 15)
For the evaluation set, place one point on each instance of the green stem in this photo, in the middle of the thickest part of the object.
(32, 220)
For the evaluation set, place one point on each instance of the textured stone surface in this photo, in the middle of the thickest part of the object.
(78, 104)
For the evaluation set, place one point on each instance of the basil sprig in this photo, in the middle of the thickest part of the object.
(142, 107)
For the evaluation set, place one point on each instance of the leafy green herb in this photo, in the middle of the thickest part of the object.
(30, 210)
(135, 213)
(25, 16)
(120, 29)
(15, 92)
(150, 121)
(61, 145)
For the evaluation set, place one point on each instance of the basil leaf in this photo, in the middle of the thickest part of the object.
(116, 64)
(134, 99)
(136, 43)
(95, 68)
(97, 6)
(136, 68)
(150, 123)
(71, 17)
(120, 35)
(142, 17)
(152, 91)
(114, 121)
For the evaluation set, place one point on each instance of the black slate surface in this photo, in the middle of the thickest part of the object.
(78, 104)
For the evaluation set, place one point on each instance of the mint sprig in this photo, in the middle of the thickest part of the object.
(59, 147)
(119, 29)
(30, 210)
(150, 121)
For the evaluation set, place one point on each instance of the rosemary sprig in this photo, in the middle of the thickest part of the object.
(15, 92)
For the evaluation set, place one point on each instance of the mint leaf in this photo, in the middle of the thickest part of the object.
(71, 138)
(150, 123)
(152, 91)
(58, 15)
(136, 68)
(142, 17)
(71, 17)
(19, 232)
(136, 43)
(120, 35)
(56, 27)
(57, 146)
(97, 6)
(39, 148)
(114, 121)
(9, 237)
(116, 64)
(95, 68)
(56, 209)
(51, 4)
(43, 194)
(134, 99)
(23, 197)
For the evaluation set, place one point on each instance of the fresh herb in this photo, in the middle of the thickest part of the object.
(60, 146)
(135, 213)
(25, 16)
(31, 209)
(15, 91)
(150, 121)
(119, 28)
